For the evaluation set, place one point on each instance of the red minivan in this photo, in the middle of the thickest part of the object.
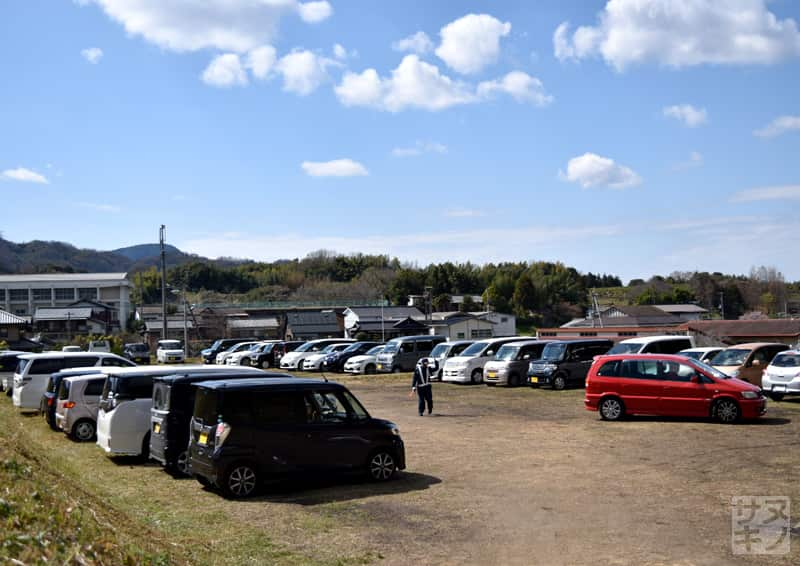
(661, 384)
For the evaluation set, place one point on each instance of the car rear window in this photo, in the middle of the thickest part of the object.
(609, 369)
(205, 406)
(161, 396)
(786, 361)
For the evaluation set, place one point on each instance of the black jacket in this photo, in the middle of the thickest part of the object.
(422, 377)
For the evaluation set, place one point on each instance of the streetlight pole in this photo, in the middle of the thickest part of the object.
(162, 237)
(185, 333)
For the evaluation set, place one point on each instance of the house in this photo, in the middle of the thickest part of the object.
(12, 328)
(312, 324)
(685, 312)
(62, 323)
(245, 326)
(460, 325)
(504, 324)
(730, 332)
(383, 322)
(22, 295)
(628, 316)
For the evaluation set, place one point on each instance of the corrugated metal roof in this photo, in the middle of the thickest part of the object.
(156, 325)
(62, 313)
(681, 308)
(11, 319)
(386, 312)
(253, 323)
(61, 277)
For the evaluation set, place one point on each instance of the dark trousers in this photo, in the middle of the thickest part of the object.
(425, 395)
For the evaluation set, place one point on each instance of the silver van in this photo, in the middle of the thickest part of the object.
(403, 353)
(510, 363)
(78, 404)
(441, 352)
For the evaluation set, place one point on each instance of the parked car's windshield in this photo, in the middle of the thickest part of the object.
(712, 370)
(137, 347)
(390, 348)
(169, 344)
(305, 347)
(624, 348)
(730, 357)
(554, 351)
(507, 352)
(439, 350)
(375, 351)
(475, 349)
(354, 347)
(786, 361)
(21, 365)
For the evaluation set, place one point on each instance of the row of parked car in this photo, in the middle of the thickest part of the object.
(230, 427)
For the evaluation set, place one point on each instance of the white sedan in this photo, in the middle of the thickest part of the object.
(222, 357)
(365, 363)
(314, 361)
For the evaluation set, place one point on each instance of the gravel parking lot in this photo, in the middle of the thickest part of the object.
(495, 476)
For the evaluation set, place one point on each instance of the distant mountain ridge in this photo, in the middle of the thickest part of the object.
(40, 256)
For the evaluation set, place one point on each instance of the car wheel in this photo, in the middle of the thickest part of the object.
(202, 481)
(612, 409)
(396, 369)
(513, 380)
(83, 430)
(182, 463)
(726, 411)
(146, 447)
(559, 382)
(240, 480)
(381, 466)
(244, 362)
(776, 396)
(370, 369)
(477, 376)
(264, 364)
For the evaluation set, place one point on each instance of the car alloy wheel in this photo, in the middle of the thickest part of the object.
(182, 463)
(611, 409)
(727, 411)
(559, 383)
(244, 362)
(477, 376)
(240, 481)
(83, 431)
(370, 369)
(381, 466)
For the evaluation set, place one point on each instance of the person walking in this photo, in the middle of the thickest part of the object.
(421, 383)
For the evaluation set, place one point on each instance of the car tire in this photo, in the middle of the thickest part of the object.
(370, 369)
(181, 465)
(397, 369)
(240, 480)
(559, 382)
(244, 362)
(264, 364)
(611, 408)
(726, 411)
(776, 396)
(83, 430)
(476, 376)
(513, 380)
(203, 481)
(145, 454)
(381, 466)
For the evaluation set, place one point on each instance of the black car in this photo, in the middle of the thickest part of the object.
(335, 360)
(566, 363)
(210, 353)
(49, 401)
(244, 432)
(138, 353)
(269, 355)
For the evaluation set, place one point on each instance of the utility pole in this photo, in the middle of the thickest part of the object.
(162, 237)
(722, 304)
(185, 332)
(383, 326)
(428, 291)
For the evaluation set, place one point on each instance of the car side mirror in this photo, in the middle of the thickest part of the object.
(695, 378)
(526, 357)
(755, 363)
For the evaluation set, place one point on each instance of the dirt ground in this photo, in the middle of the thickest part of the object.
(521, 476)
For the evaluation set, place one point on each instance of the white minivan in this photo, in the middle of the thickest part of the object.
(667, 344)
(33, 371)
(123, 421)
(467, 367)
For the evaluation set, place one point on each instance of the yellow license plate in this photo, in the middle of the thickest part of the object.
(534, 380)
(203, 438)
(491, 374)
(156, 428)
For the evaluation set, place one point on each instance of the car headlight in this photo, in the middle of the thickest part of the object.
(395, 431)
(749, 395)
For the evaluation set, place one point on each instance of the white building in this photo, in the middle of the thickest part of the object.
(473, 325)
(22, 295)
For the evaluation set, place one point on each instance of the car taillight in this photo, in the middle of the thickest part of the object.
(223, 430)
(69, 404)
(49, 401)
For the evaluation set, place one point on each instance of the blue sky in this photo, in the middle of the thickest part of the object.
(628, 137)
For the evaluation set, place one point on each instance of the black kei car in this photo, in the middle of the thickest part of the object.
(171, 412)
(566, 363)
(244, 432)
(137, 352)
(269, 355)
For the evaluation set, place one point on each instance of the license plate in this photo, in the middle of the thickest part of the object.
(491, 374)
(203, 438)
(534, 380)
(157, 428)
(779, 388)
(380, 366)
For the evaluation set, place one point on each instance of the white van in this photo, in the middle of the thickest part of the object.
(33, 371)
(467, 367)
(123, 421)
(653, 345)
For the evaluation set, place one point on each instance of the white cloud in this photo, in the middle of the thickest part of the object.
(521, 86)
(226, 25)
(695, 160)
(591, 170)
(778, 126)
(686, 113)
(418, 43)
(335, 168)
(339, 51)
(303, 71)
(261, 60)
(419, 148)
(464, 213)
(680, 34)
(472, 42)
(100, 207)
(24, 175)
(92, 54)
(314, 12)
(225, 71)
(785, 192)
(413, 84)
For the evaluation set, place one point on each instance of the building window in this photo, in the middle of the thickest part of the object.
(627, 333)
(460, 335)
(21, 312)
(588, 333)
(2, 295)
(18, 295)
(503, 319)
(481, 333)
(547, 334)
(87, 293)
(65, 294)
(42, 295)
